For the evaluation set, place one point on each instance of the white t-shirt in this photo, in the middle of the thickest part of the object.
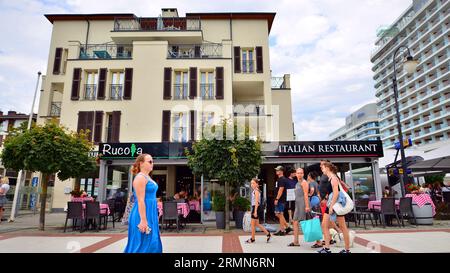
(4, 187)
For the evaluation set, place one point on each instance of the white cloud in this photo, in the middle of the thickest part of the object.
(324, 44)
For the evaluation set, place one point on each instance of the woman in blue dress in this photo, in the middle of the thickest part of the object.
(143, 228)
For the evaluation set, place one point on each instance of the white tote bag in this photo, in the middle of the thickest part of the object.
(343, 210)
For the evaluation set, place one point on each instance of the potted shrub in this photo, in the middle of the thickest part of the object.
(218, 207)
(240, 206)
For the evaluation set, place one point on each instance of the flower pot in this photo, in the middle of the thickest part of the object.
(238, 218)
(220, 219)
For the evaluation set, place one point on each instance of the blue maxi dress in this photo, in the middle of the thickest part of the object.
(140, 242)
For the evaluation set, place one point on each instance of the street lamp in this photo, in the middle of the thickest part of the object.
(409, 66)
(21, 172)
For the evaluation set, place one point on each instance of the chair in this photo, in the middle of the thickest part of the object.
(170, 213)
(93, 213)
(446, 197)
(74, 212)
(406, 209)
(112, 212)
(362, 210)
(388, 208)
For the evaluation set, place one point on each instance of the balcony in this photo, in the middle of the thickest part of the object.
(116, 91)
(55, 109)
(90, 92)
(207, 91)
(248, 66)
(157, 24)
(106, 51)
(278, 83)
(201, 51)
(181, 91)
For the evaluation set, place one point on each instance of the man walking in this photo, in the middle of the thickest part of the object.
(280, 201)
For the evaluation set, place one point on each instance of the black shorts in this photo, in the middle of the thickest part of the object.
(290, 205)
(259, 213)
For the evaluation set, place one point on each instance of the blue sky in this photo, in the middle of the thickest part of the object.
(324, 44)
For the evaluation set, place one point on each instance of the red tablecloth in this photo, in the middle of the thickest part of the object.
(194, 205)
(421, 200)
(82, 199)
(376, 204)
(183, 208)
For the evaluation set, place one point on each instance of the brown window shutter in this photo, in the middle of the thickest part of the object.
(193, 125)
(90, 124)
(192, 82)
(167, 83)
(102, 84)
(166, 125)
(237, 59)
(98, 127)
(128, 83)
(219, 83)
(81, 121)
(259, 59)
(197, 51)
(115, 126)
(76, 84)
(57, 63)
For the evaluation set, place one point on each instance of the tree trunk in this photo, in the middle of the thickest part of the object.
(227, 209)
(45, 178)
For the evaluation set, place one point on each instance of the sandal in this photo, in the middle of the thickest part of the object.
(293, 244)
(316, 245)
(269, 236)
(249, 241)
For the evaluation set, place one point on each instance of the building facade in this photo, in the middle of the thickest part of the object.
(160, 80)
(424, 97)
(360, 125)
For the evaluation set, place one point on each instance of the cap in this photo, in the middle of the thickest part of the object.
(279, 168)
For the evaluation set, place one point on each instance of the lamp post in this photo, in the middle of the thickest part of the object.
(21, 172)
(410, 66)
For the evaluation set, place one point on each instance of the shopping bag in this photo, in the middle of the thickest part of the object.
(312, 230)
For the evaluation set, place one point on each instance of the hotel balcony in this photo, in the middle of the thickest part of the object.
(200, 51)
(55, 109)
(106, 51)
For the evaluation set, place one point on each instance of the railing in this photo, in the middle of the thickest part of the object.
(179, 134)
(181, 91)
(106, 51)
(207, 91)
(248, 66)
(90, 92)
(55, 109)
(278, 83)
(157, 24)
(116, 91)
(206, 50)
(248, 109)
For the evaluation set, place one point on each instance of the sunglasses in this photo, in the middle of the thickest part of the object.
(150, 161)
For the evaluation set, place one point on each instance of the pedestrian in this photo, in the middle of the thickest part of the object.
(330, 171)
(292, 181)
(314, 197)
(280, 201)
(257, 212)
(302, 206)
(143, 226)
(4, 188)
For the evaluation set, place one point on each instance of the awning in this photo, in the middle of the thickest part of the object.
(436, 161)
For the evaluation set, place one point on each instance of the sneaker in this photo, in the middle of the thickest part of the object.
(345, 251)
(324, 250)
(288, 229)
(280, 233)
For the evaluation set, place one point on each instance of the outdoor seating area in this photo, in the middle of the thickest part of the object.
(178, 212)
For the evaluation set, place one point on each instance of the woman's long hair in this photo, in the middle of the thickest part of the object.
(136, 168)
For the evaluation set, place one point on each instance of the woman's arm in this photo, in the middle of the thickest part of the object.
(2, 190)
(139, 184)
(256, 201)
(305, 187)
(335, 186)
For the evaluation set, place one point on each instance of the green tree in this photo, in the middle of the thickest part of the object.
(228, 154)
(48, 149)
(436, 178)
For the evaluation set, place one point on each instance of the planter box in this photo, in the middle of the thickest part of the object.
(239, 218)
(220, 219)
(424, 215)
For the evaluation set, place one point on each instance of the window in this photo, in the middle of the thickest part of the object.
(91, 85)
(117, 81)
(207, 119)
(180, 127)
(181, 85)
(207, 85)
(247, 61)
(109, 125)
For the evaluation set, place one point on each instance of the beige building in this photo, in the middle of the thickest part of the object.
(159, 81)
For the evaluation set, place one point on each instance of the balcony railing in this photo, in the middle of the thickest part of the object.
(181, 91)
(179, 134)
(90, 92)
(106, 51)
(248, 67)
(278, 83)
(204, 51)
(157, 24)
(207, 91)
(116, 91)
(55, 109)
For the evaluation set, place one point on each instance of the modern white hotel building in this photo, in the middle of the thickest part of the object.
(424, 97)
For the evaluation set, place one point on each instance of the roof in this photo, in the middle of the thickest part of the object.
(76, 17)
(269, 16)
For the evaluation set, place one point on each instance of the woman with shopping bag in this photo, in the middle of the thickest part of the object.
(301, 203)
(336, 196)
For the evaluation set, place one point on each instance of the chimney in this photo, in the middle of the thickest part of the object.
(169, 12)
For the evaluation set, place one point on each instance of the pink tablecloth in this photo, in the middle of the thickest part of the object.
(104, 208)
(82, 199)
(376, 204)
(194, 205)
(421, 200)
(183, 208)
